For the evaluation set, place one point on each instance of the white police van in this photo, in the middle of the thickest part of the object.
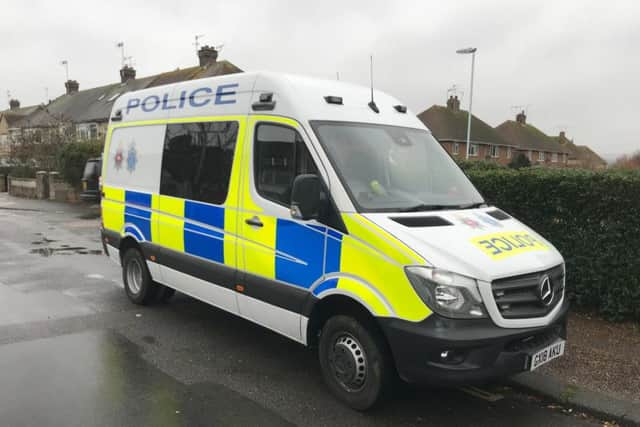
(328, 213)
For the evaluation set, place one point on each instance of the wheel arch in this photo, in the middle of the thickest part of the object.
(128, 242)
(332, 304)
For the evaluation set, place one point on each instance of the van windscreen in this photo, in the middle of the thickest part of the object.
(389, 168)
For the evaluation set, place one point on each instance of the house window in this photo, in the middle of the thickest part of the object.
(495, 151)
(554, 157)
(473, 150)
(456, 148)
(508, 152)
(541, 156)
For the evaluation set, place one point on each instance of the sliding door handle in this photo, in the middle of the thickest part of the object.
(255, 221)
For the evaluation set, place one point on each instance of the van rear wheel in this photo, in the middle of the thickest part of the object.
(136, 277)
(355, 362)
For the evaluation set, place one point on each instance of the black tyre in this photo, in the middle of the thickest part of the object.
(355, 361)
(165, 293)
(137, 279)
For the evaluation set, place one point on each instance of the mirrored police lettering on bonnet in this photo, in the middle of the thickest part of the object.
(223, 94)
(333, 219)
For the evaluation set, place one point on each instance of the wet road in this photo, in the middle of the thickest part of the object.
(75, 352)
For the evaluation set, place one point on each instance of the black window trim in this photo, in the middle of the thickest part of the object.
(255, 156)
(340, 226)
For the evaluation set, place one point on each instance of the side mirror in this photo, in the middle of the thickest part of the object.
(305, 197)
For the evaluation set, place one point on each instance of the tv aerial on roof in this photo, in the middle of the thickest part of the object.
(521, 108)
(455, 91)
(197, 38)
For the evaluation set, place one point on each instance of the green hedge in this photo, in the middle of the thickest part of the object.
(592, 218)
(19, 171)
(72, 156)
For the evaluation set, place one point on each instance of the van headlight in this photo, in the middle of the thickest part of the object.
(447, 293)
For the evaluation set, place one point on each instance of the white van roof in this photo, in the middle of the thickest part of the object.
(297, 97)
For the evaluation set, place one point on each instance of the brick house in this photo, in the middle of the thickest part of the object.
(580, 156)
(88, 110)
(538, 147)
(10, 121)
(449, 126)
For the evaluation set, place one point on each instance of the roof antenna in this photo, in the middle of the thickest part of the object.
(372, 104)
(197, 42)
(65, 63)
(122, 57)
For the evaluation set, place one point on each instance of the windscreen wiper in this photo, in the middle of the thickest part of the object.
(472, 205)
(424, 207)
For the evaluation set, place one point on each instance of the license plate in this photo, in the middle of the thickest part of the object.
(547, 354)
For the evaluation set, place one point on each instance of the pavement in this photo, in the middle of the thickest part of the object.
(75, 352)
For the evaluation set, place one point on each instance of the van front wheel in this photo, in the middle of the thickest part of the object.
(137, 279)
(355, 362)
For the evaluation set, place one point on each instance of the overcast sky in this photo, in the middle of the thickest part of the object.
(574, 64)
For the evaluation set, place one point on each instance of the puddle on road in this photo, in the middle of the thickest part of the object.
(44, 249)
(67, 250)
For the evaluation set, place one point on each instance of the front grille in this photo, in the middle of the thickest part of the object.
(519, 297)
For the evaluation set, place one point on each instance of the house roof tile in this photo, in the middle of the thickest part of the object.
(449, 124)
(528, 137)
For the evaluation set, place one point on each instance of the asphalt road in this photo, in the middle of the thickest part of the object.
(75, 352)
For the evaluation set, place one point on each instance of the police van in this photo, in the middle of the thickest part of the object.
(328, 213)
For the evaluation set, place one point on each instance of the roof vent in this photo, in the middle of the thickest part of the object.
(498, 214)
(421, 221)
(333, 99)
(401, 108)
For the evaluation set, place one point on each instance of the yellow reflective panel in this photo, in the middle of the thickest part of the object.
(385, 275)
(259, 244)
(506, 244)
(171, 223)
(365, 294)
(155, 228)
(232, 204)
(378, 238)
(113, 209)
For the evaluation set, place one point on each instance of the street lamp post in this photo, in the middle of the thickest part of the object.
(472, 51)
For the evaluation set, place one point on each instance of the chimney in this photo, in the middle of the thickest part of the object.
(72, 86)
(207, 55)
(453, 103)
(14, 104)
(127, 73)
(521, 118)
(562, 138)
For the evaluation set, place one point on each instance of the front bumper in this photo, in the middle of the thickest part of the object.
(478, 350)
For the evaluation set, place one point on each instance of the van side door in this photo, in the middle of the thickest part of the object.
(196, 224)
(280, 258)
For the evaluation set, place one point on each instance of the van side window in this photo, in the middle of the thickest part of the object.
(279, 156)
(197, 160)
